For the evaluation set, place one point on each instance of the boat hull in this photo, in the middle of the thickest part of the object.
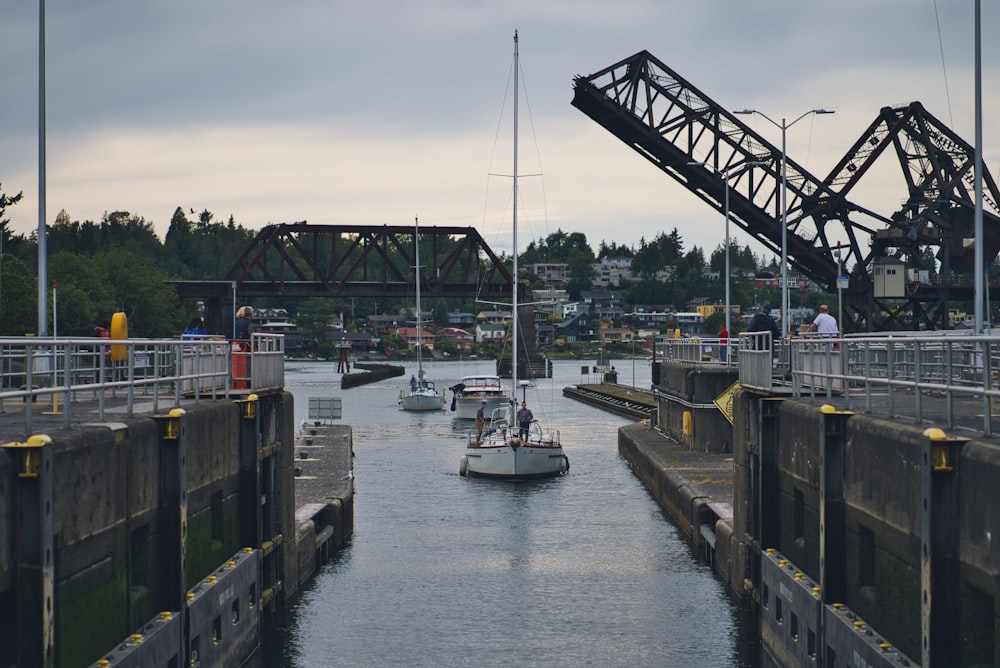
(506, 462)
(421, 401)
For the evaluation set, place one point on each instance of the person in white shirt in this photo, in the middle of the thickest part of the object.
(825, 324)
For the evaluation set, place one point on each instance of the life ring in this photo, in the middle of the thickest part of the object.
(119, 331)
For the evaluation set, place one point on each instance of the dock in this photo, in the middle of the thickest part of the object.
(631, 402)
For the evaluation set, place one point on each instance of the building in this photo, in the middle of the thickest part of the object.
(461, 319)
(614, 335)
(603, 303)
(494, 317)
(578, 328)
(414, 338)
(490, 333)
(550, 273)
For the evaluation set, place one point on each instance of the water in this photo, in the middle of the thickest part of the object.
(448, 571)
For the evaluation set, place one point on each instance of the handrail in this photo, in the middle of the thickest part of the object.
(65, 374)
(911, 372)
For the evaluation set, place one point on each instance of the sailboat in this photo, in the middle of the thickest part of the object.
(508, 449)
(421, 396)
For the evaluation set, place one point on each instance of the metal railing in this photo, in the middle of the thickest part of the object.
(64, 374)
(951, 374)
(947, 375)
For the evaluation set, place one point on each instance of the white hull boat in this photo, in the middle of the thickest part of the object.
(503, 454)
(508, 450)
(422, 396)
(421, 399)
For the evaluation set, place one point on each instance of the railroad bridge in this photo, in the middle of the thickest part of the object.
(303, 260)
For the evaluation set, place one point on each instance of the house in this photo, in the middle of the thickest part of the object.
(550, 273)
(461, 319)
(414, 339)
(494, 317)
(612, 271)
(614, 335)
(384, 324)
(489, 333)
(567, 310)
(580, 327)
(604, 304)
(545, 334)
(358, 341)
(551, 296)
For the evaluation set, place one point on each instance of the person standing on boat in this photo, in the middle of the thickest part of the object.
(480, 421)
(524, 419)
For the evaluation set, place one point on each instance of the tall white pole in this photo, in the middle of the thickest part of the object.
(784, 125)
(784, 233)
(980, 273)
(43, 278)
(840, 290)
(728, 332)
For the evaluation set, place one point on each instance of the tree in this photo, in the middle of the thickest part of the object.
(314, 316)
(18, 298)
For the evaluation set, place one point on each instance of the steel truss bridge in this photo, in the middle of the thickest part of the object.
(302, 260)
(673, 124)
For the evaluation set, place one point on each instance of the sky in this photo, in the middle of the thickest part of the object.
(383, 111)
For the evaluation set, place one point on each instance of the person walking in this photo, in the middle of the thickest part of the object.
(480, 421)
(524, 419)
(824, 324)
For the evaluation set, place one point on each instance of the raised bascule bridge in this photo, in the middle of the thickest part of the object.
(699, 143)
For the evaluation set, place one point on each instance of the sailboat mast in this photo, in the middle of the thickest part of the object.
(420, 333)
(514, 331)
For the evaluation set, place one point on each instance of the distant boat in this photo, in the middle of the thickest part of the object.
(422, 395)
(475, 389)
(506, 450)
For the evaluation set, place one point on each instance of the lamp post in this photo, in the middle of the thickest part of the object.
(784, 203)
(725, 174)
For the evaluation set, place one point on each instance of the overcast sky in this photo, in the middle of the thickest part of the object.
(376, 112)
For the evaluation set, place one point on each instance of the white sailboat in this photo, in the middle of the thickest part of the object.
(421, 395)
(507, 449)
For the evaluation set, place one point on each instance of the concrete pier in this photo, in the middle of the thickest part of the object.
(161, 539)
(860, 538)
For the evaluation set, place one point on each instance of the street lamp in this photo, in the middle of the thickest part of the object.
(725, 174)
(784, 203)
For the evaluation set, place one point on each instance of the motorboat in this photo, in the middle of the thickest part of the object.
(469, 394)
(513, 445)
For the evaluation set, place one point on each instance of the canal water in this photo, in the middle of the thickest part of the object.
(583, 570)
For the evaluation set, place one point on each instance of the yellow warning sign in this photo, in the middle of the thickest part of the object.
(725, 401)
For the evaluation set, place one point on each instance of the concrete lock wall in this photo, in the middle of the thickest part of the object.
(686, 408)
(139, 518)
(777, 452)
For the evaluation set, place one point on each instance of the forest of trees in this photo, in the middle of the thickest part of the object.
(120, 264)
